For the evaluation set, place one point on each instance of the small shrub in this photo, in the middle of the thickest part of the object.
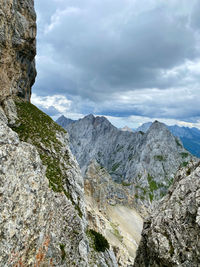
(159, 158)
(184, 155)
(184, 164)
(63, 253)
(100, 242)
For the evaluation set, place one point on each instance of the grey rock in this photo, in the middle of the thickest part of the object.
(17, 47)
(146, 160)
(170, 235)
(63, 121)
(190, 137)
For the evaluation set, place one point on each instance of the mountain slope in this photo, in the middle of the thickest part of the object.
(170, 235)
(190, 137)
(146, 160)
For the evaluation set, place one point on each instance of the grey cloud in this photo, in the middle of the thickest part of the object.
(99, 48)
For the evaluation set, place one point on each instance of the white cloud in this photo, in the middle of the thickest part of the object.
(59, 102)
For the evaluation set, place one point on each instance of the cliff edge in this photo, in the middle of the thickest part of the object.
(17, 48)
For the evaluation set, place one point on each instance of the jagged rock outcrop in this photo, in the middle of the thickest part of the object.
(110, 209)
(38, 225)
(190, 137)
(17, 47)
(170, 235)
(100, 186)
(148, 160)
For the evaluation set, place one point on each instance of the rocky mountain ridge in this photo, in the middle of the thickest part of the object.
(170, 235)
(146, 160)
(190, 137)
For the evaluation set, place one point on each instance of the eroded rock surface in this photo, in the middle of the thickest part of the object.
(17, 47)
(148, 160)
(110, 209)
(170, 236)
(37, 225)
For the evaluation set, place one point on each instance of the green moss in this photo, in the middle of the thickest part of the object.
(178, 143)
(159, 157)
(63, 253)
(116, 231)
(100, 242)
(184, 155)
(126, 184)
(184, 164)
(115, 166)
(37, 128)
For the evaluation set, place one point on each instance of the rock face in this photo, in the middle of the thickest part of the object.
(40, 224)
(146, 160)
(100, 186)
(17, 47)
(43, 220)
(62, 121)
(111, 212)
(170, 236)
(190, 137)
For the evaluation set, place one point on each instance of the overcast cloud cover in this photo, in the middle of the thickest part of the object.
(131, 60)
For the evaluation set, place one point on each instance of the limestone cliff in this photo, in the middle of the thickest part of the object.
(170, 236)
(147, 161)
(17, 47)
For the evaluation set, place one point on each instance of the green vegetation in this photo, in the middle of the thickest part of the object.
(99, 241)
(184, 164)
(126, 184)
(184, 155)
(116, 231)
(178, 143)
(37, 128)
(63, 253)
(119, 148)
(159, 157)
(130, 157)
(153, 186)
(115, 166)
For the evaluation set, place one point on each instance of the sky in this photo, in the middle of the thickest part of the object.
(131, 61)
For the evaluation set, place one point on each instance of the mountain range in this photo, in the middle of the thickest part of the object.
(145, 161)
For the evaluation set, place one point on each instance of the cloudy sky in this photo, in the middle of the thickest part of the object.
(132, 61)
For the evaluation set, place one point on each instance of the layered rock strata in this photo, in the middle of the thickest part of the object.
(17, 47)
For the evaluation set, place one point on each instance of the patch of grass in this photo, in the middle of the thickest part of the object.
(115, 166)
(116, 231)
(100, 242)
(178, 143)
(126, 184)
(63, 253)
(159, 157)
(37, 128)
(184, 164)
(184, 155)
